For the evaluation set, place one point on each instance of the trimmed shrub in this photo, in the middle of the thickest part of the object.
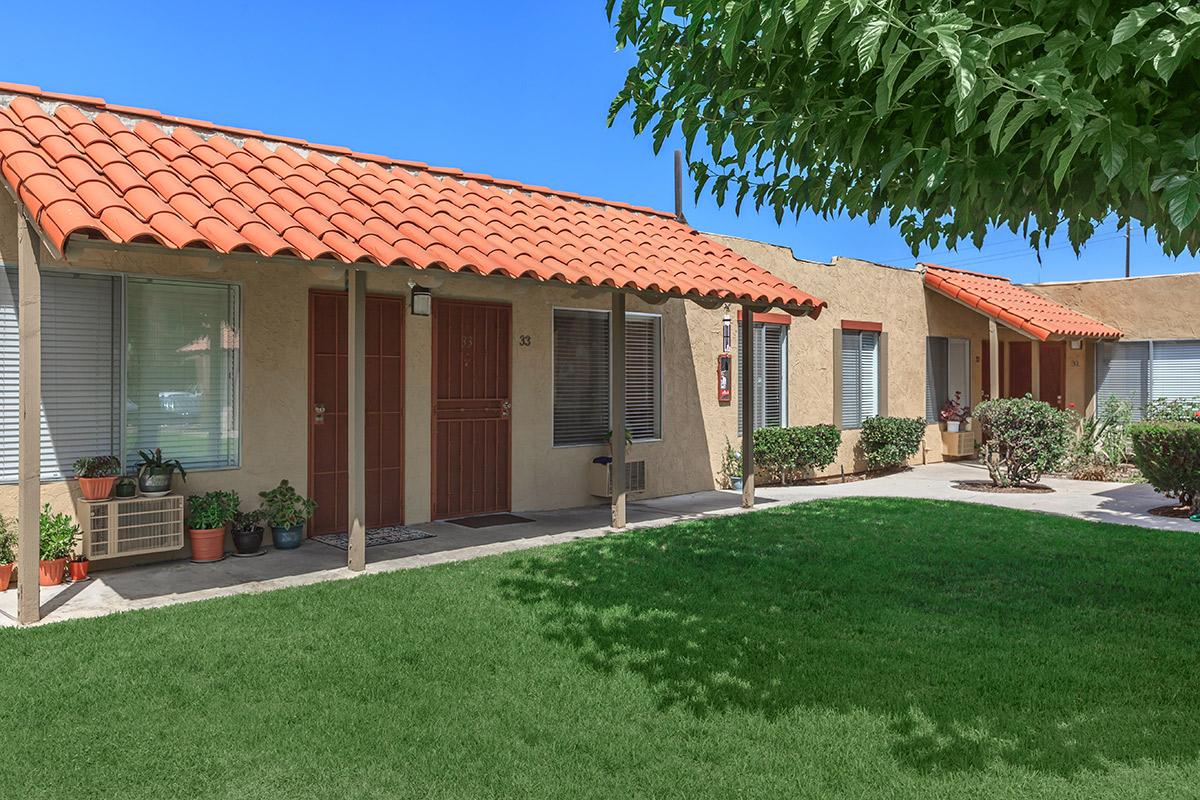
(890, 441)
(788, 453)
(1163, 410)
(1022, 438)
(1168, 454)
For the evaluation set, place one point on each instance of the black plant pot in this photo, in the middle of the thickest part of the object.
(247, 542)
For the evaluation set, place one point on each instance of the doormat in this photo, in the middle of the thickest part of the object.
(393, 534)
(488, 520)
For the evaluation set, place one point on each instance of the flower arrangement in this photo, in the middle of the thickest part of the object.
(953, 409)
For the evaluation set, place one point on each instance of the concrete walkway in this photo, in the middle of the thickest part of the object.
(173, 582)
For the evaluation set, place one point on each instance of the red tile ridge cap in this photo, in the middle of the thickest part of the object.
(925, 265)
(152, 115)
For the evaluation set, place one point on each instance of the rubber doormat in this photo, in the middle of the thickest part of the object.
(488, 520)
(393, 534)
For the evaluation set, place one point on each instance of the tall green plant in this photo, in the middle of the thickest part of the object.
(949, 118)
(7, 539)
(57, 534)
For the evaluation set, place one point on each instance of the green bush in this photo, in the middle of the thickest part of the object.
(890, 441)
(1163, 410)
(1022, 438)
(7, 539)
(57, 534)
(787, 453)
(1101, 442)
(212, 510)
(1168, 454)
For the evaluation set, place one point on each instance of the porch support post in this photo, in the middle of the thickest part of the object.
(356, 380)
(617, 404)
(746, 335)
(994, 342)
(29, 432)
(1035, 369)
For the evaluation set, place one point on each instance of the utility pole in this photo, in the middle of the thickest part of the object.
(1127, 225)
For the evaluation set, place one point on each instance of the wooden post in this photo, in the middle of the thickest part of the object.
(746, 334)
(994, 341)
(29, 476)
(1035, 369)
(617, 404)
(356, 418)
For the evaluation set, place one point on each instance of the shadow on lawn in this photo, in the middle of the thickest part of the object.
(984, 636)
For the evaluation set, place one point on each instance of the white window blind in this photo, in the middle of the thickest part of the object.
(182, 367)
(581, 377)
(1175, 370)
(1123, 370)
(80, 413)
(770, 376)
(643, 389)
(860, 377)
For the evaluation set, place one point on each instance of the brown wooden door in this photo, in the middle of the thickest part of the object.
(472, 399)
(384, 427)
(1053, 373)
(1020, 369)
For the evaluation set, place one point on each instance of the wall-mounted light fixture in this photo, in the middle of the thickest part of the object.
(726, 334)
(1076, 344)
(422, 301)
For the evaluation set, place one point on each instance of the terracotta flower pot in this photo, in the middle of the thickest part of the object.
(207, 544)
(78, 570)
(50, 573)
(5, 576)
(97, 488)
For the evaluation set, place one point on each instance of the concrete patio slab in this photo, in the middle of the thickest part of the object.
(168, 583)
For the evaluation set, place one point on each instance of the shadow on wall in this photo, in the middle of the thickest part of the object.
(980, 635)
(686, 463)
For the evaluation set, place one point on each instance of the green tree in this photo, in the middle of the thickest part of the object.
(947, 117)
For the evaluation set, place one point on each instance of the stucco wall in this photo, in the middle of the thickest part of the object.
(274, 378)
(1152, 307)
(865, 292)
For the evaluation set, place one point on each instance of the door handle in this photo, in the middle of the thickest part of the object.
(318, 413)
(505, 408)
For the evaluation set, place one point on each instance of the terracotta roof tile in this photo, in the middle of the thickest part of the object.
(1015, 306)
(82, 166)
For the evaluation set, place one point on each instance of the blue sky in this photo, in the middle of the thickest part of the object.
(516, 89)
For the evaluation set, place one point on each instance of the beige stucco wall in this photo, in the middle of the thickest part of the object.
(865, 292)
(274, 376)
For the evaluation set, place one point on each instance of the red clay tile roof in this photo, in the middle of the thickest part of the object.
(85, 168)
(1014, 306)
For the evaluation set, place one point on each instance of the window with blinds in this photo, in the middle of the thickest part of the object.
(81, 378)
(860, 377)
(770, 376)
(177, 363)
(182, 365)
(1139, 372)
(581, 377)
(947, 370)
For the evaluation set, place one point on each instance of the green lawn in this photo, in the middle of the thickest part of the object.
(856, 648)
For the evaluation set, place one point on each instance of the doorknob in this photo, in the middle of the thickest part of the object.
(318, 413)
(505, 408)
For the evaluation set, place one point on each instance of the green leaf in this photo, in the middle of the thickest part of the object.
(868, 43)
(1015, 32)
(1134, 21)
(1112, 155)
(1183, 200)
(1188, 15)
(825, 17)
(995, 123)
(1027, 112)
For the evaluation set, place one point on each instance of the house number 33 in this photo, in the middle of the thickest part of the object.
(525, 340)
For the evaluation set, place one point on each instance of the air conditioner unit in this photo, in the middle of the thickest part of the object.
(600, 478)
(131, 526)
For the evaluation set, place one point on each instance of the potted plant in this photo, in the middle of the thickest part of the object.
(208, 514)
(286, 510)
(731, 466)
(951, 413)
(247, 530)
(57, 534)
(126, 487)
(97, 475)
(155, 472)
(77, 567)
(7, 539)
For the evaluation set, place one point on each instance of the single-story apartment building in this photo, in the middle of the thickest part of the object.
(407, 343)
